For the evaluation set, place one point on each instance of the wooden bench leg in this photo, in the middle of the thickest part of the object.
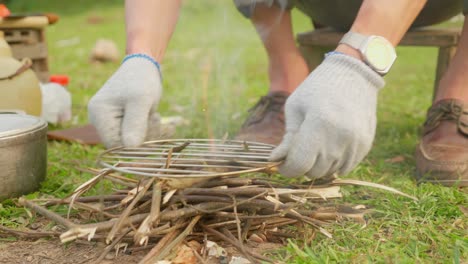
(314, 55)
(443, 61)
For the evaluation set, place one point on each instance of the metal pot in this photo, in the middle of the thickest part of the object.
(340, 14)
(23, 153)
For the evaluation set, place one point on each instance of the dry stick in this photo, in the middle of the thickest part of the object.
(223, 192)
(49, 214)
(125, 213)
(28, 234)
(119, 181)
(181, 147)
(102, 226)
(86, 199)
(218, 224)
(93, 209)
(239, 243)
(199, 198)
(281, 234)
(237, 182)
(256, 222)
(85, 187)
(249, 254)
(242, 248)
(251, 203)
(165, 216)
(247, 226)
(141, 236)
(238, 222)
(230, 215)
(164, 229)
(266, 205)
(167, 249)
(134, 219)
(142, 208)
(229, 181)
(126, 179)
(132, 250)
(197, 255)
(162, 242)
(112, 245)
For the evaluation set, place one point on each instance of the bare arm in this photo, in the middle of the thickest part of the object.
(389, 19)
(149, 25)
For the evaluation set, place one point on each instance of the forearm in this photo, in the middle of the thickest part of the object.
(387, 18)
(149, 25)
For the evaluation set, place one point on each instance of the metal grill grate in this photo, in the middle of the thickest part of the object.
(194, 158)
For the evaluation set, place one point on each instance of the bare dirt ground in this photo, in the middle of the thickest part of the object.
(51, 251)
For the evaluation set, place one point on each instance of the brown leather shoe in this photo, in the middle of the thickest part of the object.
(265, 122)
(442, 154)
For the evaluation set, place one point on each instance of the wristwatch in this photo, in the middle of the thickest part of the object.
(376, 51)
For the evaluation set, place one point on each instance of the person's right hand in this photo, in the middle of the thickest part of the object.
(124, 108)
(330, 119)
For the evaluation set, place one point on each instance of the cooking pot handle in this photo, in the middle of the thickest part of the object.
(26, 63)
(12, 111)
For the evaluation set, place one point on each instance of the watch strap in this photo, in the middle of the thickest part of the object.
(353, 39)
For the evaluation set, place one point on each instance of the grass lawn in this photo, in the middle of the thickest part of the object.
(213, 41)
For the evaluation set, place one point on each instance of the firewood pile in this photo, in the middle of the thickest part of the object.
(170, 210)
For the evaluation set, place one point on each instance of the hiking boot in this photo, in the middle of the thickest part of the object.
(265, 122)
(442, 154)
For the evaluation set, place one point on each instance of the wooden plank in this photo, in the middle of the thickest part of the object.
(40, 65)
(314, 55)
(432, 37)
(34, 51)
(22, 36)
(420, 37)
(26, 22)
(42, 76)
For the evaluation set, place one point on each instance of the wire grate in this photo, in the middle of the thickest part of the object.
(194, 158)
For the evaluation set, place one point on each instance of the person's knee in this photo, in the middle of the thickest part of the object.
(247, 7)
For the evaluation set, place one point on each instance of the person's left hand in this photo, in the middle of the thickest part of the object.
(330, 119)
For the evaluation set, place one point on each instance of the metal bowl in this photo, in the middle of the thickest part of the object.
(23, 153)
(340, 14)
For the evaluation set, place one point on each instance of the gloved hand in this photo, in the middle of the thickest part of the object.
(330, 119)
(124, 108)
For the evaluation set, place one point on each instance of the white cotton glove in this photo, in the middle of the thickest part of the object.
(330, 119)
(123, 110)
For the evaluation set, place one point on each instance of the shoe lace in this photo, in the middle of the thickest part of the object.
(445, 111)
(266, 104)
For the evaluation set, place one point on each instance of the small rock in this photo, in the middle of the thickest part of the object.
(214, 250)
(256, 238)
(239, 260)
(34, 226)
(105, 50)
(193, 244)
(110, 256)
(29, 258)
(185, 255)
(94, 19)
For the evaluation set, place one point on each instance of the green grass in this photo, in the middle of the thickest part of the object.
(211, 32)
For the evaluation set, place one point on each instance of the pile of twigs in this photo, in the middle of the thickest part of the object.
(149, 213)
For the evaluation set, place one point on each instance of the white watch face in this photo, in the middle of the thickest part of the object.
(379, 53)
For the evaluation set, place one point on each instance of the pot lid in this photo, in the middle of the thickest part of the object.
(14, 123)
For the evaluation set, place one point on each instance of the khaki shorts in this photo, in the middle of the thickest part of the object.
(247, 7)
